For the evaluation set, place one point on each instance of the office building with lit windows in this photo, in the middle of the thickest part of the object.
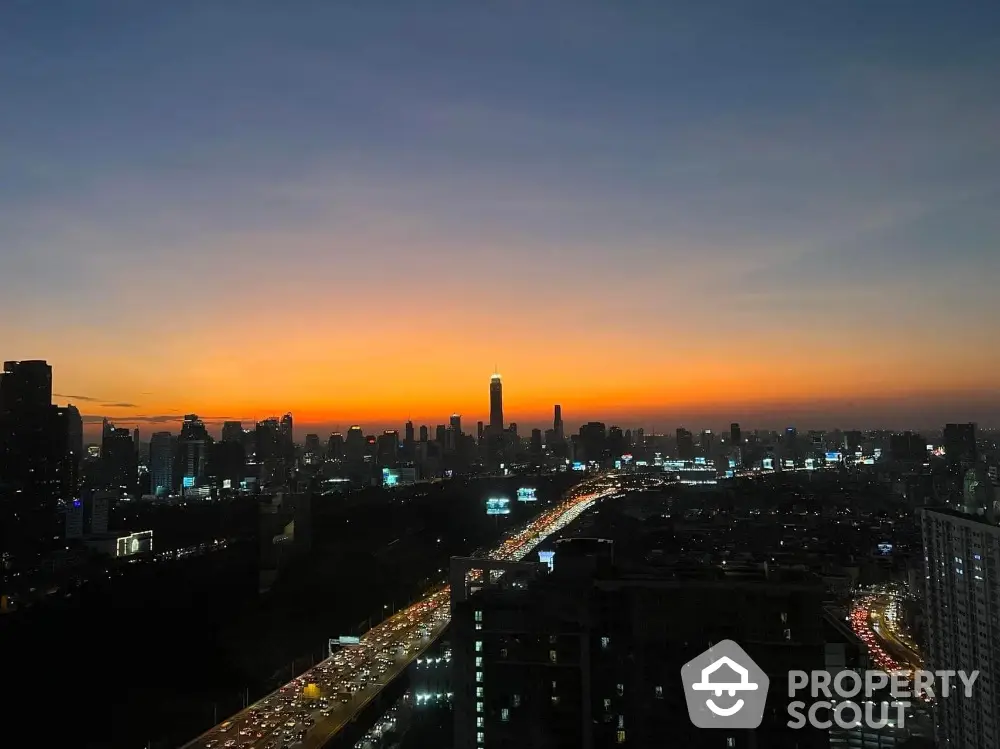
(589, 653)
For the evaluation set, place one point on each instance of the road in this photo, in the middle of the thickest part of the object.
(308, 711)
(875, 619)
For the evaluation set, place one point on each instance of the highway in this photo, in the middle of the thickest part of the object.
(875, 619)
(308, 711)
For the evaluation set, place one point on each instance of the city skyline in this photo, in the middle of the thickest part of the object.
(649, 214)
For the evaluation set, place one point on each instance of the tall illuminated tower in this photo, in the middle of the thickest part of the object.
(496, 403)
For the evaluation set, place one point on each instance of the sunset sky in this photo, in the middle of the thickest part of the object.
(653, 213)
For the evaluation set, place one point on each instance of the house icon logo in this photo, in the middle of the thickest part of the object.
(724, 688)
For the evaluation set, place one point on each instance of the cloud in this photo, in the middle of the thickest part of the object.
(120, 405)
(78, 397)
(158, 419)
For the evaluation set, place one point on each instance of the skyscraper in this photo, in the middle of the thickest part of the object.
(960, 447)
(25, 385)
(496, 403)
(456, 424)
(962, 588)
(735, 434)
(161, 463)
(557, 422)
(685, 444)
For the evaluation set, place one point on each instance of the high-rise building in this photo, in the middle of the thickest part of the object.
(557, 422)
(479, 431)
(496, 403)
(408, 433)
(312, 444)
(161, 463)
(685, 444)
(735, 435)
(456, 424)
(387, 449)
(335, 446)
(961, 600)
(589, 654)
(424, 433)
(355, 444)
(706, 443)
(119, 459)
(192, 450)
(232, 431)
(441, 435)
(25, 385)
(287, 433)
(960, 447)
(536, 442)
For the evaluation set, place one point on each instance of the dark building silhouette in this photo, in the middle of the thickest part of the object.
(162, 449)
(557, 422)
(232, 431)
(593, 439)
(907, 446)
(589, 654)
(387, 449)
(119, 461)
(424, 433)
(192, 451)
(335, 446)
(685, 444)
(735, 434)
(960, 447)
(25, 385)
(408, 434)
(496, 403)
(536, 442)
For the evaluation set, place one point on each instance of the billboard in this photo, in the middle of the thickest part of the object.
(526, 494)
(498, 506)
(547, 557)
(134, 543)
(834, 457)
(188, 482)
(578, 466)
(768, 464)
(885, 548)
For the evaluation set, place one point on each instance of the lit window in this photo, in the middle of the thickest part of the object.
(552, 656)
(784, 617)
(479, 691)
(555, 699)
(620, 689)
(607, 703)
(479, 626)
(621, 737)
(659, 692)
(479, 616)
(552, 639)
(605, 641)
(479, 707)
(479, 661)
(621, 721)
(553, 685)
(479, 646)
(730, 741)
(503, 652)
(479, 676)
(788, 634)
(479, 721)
(480, 737)
(517, 700)
(504, 714)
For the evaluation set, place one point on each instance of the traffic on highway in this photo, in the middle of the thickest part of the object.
(313, 707)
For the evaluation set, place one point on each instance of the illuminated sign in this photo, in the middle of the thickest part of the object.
(227, 483)
(188, 482)
(768, 464)
(526, 494)
(347, 641)
(834, 457)
(578, 466)
(498, 506)
(627, 457)
(810, 463)
(789, 464)
(699, 461)
(389, 477)
(885, 548)
(547, 557)
(134, 543)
